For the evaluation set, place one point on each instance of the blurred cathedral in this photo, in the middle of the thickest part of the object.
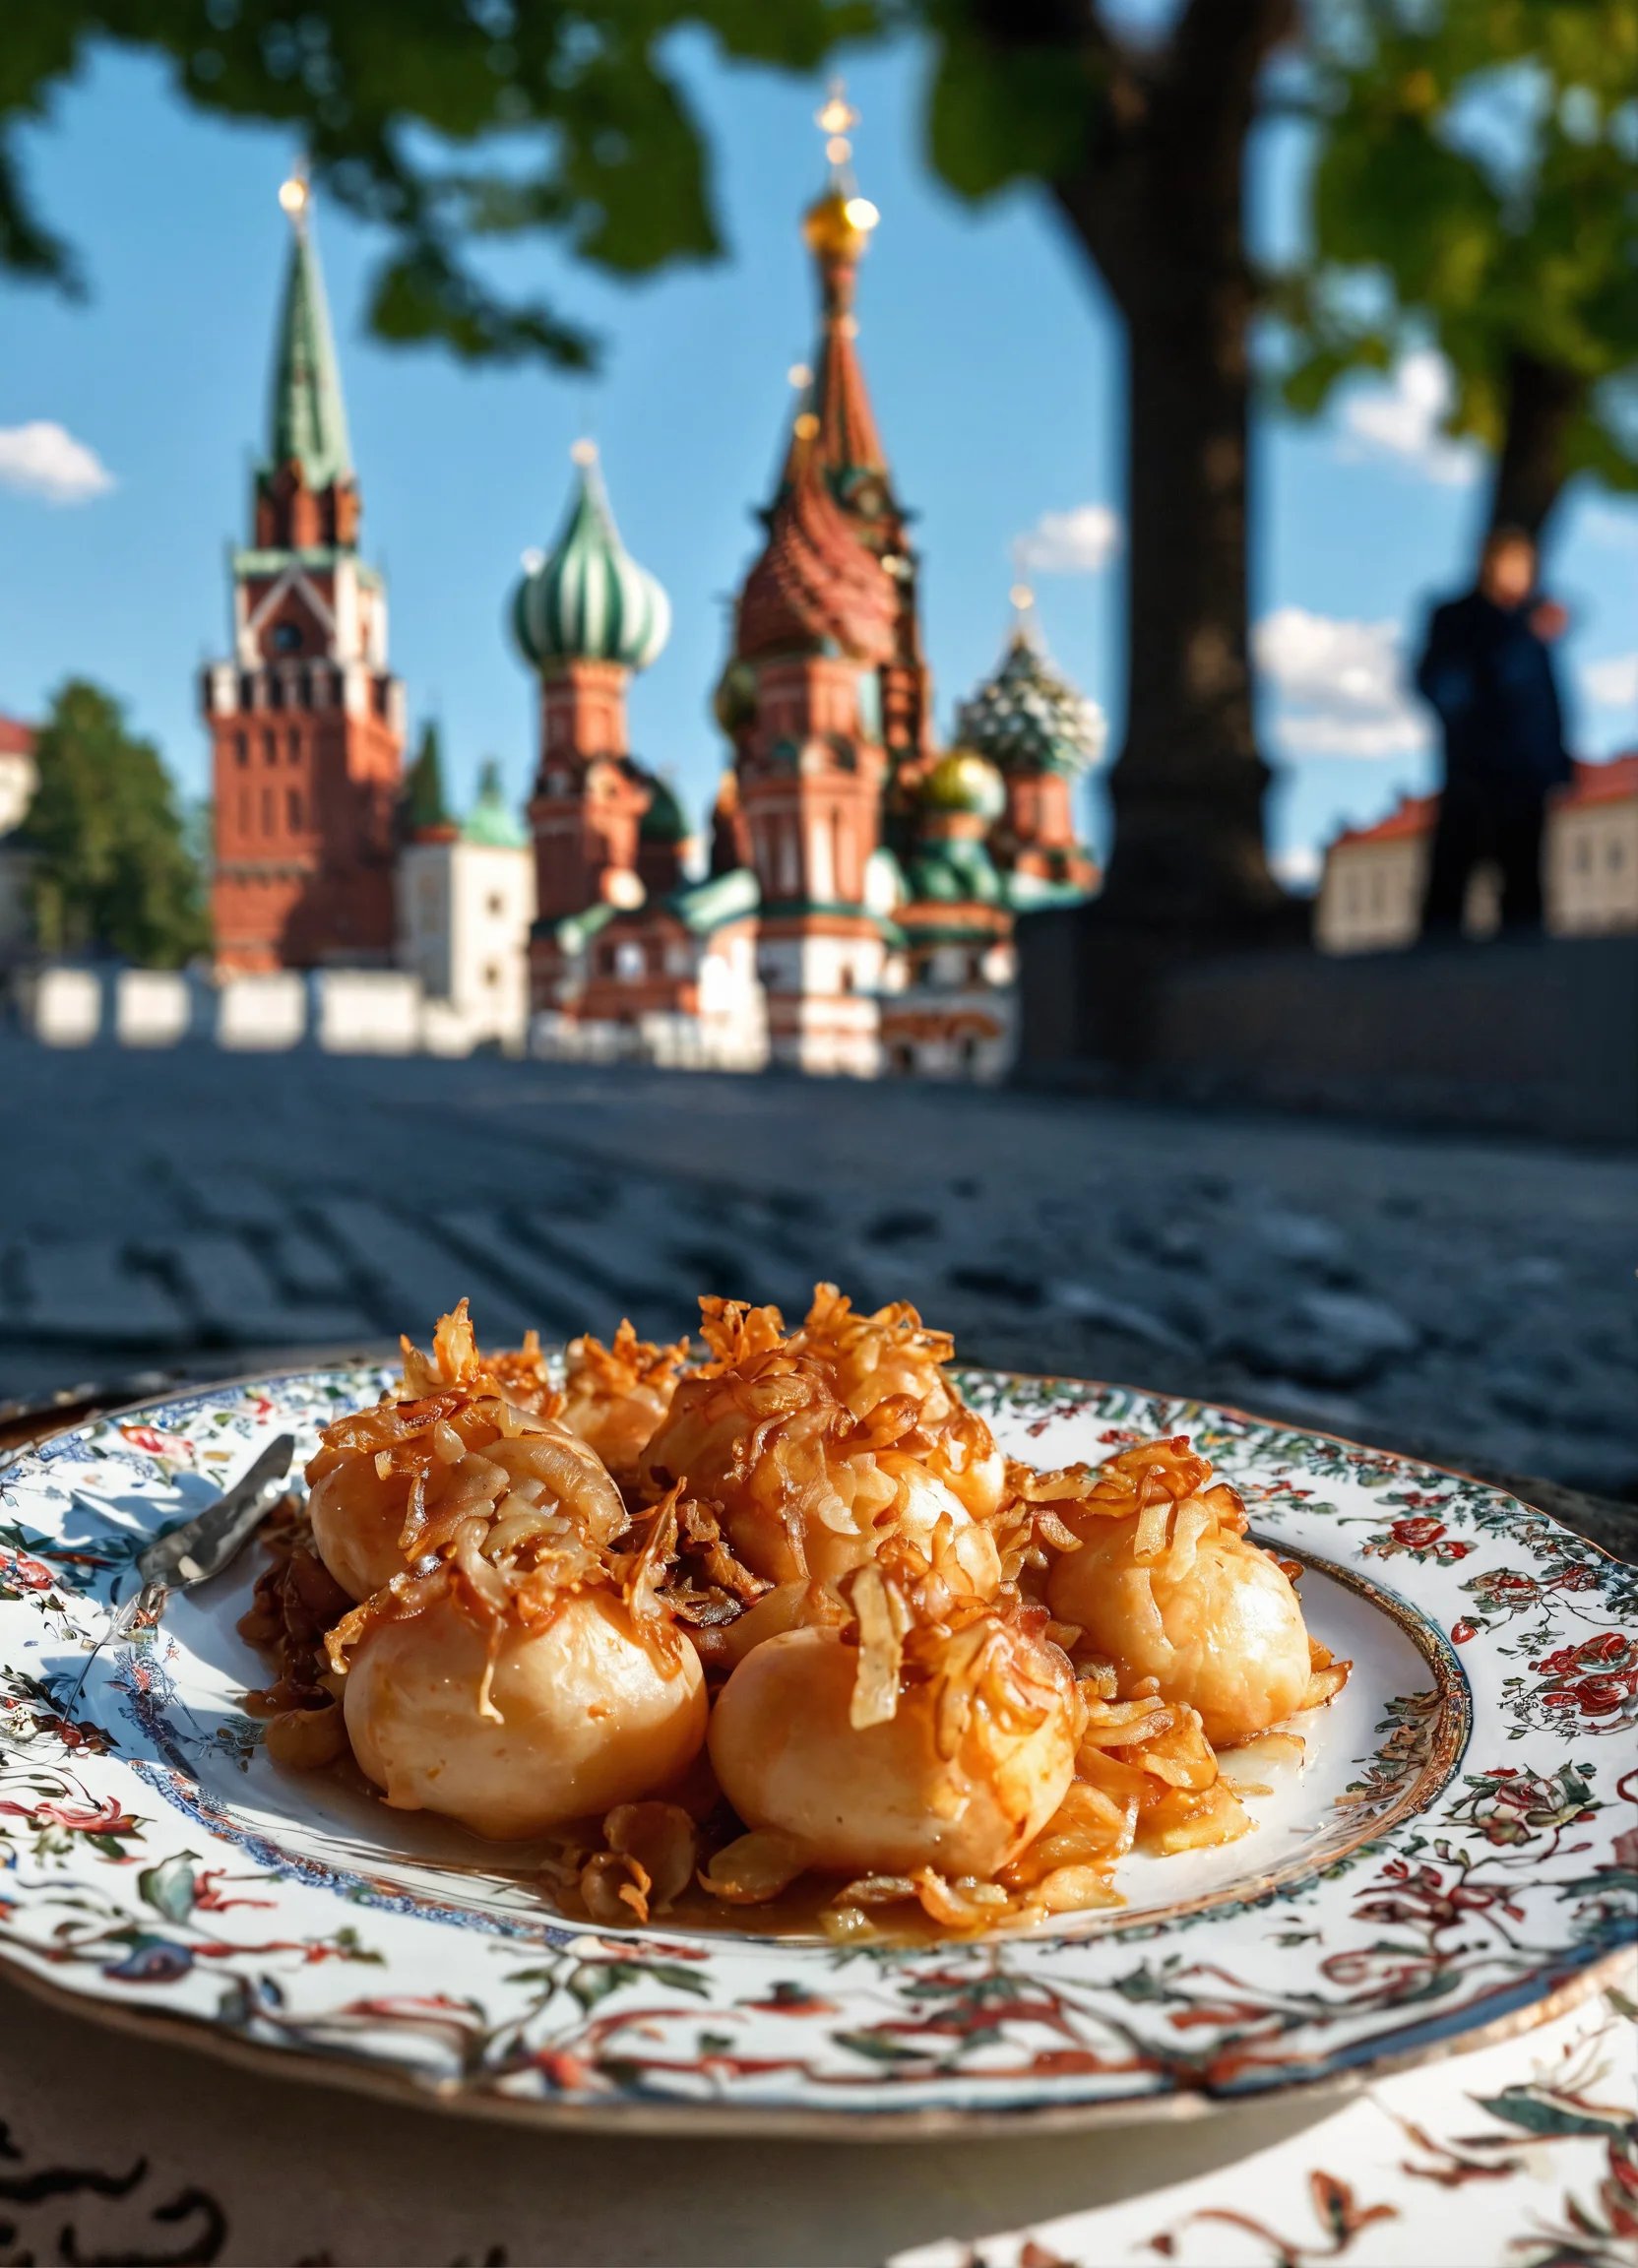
(852, 908)
(857, 911)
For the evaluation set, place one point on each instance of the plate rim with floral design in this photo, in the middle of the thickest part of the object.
(1503, 1893)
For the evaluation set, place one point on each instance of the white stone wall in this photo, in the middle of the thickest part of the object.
(464, 916)
(62, 1007)
(19, 778)
(367, 1012)
(153, 1007)
(261, 1013)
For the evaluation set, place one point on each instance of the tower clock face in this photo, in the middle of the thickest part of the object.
(868, 498)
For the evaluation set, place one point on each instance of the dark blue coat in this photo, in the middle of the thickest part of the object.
(1491, 681)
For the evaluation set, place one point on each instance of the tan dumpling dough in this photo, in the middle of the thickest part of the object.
(1224, 1634)
(358, 1519)
(615, 1397)
(358, 1516)
(868, 1498)
(881, 1799)
(588, 1714)
(802, 1511)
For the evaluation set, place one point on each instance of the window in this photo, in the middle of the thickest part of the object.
(293, 745)
(1583, 856)
(247, 691)
(492, 976)
(628, 961)
(269, 746)
(244, 810)
(845, 978)
(1614, 857)
(495, 902)
(241, 748)
(267, 811)
(293, 809)
(286, 637)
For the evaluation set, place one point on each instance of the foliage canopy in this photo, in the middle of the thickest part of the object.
(1478, 184)
(112, 869)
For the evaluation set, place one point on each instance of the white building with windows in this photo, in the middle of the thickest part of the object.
(1370, 894)
(466, 903)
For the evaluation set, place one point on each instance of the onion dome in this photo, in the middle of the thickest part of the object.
(816, 589)
(665, 820)
(1026, 718)
(733, 704)
(838, 225)
(964, 782)
(588, 599)
(492, 823)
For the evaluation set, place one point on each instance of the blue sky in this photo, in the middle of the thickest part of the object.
(994, 368)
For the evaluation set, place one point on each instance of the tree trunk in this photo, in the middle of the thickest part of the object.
(1161, 213)
(1187, 791)
(1543, 403)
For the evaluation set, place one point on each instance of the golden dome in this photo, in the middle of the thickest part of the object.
(961, 781)
(838, 225)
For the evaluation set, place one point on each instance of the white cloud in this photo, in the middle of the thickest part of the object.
(1340, 686)
(1612, 683)
(1401, 417)
(1080, 541)
(45, 459)
(1300, 866)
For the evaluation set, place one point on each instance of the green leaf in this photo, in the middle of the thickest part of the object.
(1538, 2113)
(997, 114)
(170, 1888)
(878, 2049)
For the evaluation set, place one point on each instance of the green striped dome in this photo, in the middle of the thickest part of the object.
(588, 599)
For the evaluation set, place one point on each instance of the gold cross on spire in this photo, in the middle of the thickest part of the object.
(835, 119)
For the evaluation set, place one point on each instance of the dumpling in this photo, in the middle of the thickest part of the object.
(1176, 1594)
(951, 1755)
(810, 1485)
(513, 1728)
(616, 1397)
(389, 1485)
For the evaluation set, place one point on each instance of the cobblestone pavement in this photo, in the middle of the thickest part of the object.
(1472, 1301)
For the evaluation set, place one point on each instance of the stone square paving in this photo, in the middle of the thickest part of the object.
(1470, 1300)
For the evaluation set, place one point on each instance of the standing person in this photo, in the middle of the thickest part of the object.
(1487, 671)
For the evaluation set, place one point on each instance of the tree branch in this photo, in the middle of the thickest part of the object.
(1217, 53)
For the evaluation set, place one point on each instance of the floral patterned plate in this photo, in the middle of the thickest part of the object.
(1455, 1857)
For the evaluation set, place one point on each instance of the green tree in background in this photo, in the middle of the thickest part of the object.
(456, 123)
(1478, 187)
(111, 870)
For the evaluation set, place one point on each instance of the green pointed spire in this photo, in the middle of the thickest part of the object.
(424, 808)
(308, 420)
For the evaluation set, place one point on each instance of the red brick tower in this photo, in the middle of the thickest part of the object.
(896, 693)
(817, 616)
(306, 720)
